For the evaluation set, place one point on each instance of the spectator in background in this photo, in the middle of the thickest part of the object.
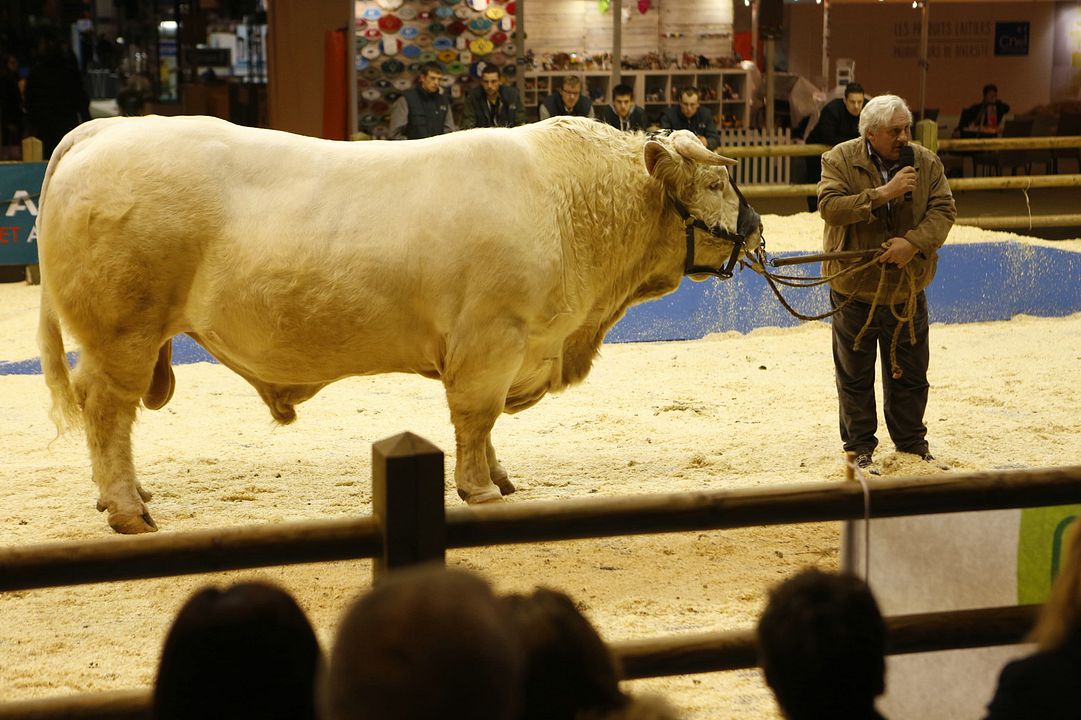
(493, 104)
(11, 109)
(839, 120)
(422, 110)
(984, 119)
(623, 114)
(133, 96)
(821, 646)
(1047, 684)
(426, 643)
(244, 652)
(56, 100)
(569, 672)
(690, 115)
(568, 100)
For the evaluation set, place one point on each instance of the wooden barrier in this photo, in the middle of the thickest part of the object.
(1013, 182)
(656, 657)
(160, 555)
(964, 145)
(409, 525)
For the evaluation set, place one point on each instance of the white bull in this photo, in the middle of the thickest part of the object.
(297, 262)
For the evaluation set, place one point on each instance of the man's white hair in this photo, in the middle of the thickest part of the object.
(879, 110)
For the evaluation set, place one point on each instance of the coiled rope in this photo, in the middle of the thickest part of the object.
(904, 317)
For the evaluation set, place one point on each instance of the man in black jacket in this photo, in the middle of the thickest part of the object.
(984, 119)
(839, 120)
(492, 104)
(690, 115)
(569, 100)
(623, 114)
(422, 110)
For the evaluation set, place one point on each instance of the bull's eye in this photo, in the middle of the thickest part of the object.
(716, 186)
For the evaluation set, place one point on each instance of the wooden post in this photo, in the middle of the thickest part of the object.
(32, 153)
(927, 134)
(407, 502)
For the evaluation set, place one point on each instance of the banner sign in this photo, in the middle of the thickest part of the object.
(20, 186)
(1011, 38)
(955, 561)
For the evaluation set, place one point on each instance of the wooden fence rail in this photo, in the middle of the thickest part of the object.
(409, 525)
(1012, 182)
(73, 563)
(965, 145)
(657, 657)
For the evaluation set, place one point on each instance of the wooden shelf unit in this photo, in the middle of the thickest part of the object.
(722, 90)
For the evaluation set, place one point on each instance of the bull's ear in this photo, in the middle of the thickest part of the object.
(655, 152)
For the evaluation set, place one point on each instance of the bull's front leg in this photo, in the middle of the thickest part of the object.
(477, 375)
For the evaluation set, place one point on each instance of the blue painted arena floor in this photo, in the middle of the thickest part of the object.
(976, 282)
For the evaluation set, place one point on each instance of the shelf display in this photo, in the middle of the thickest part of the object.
(394, 38)
(724, 91)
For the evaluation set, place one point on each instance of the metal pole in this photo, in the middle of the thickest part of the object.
(826, 84)
(769, 84)
(925, 12)
(755, 45)
(617, 44)
(519, 43)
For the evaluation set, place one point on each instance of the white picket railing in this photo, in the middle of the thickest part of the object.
(760, 171)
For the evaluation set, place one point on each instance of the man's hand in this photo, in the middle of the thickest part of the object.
(897, 251)
(702, 139)
(904, 181)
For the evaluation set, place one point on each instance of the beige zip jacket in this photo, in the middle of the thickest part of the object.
(844, 201)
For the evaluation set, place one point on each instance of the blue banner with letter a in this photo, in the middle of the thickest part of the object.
(20, 190)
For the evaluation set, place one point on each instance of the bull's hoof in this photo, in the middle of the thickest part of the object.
(506, 487)
(489, 494)
(131, 524)
(146, 495)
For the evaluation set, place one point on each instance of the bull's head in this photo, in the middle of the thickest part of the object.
(701, 191)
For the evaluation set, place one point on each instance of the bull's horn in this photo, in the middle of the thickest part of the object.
(687, 145)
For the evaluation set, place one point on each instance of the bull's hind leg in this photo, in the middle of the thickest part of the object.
(496, 472)
(110, 394)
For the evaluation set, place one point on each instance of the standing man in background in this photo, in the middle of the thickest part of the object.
(569, 100)
(869, 200)
(839, 120)
(56, 100)
(492, 104)
(690, 115)
(623, 114)
(422, 110)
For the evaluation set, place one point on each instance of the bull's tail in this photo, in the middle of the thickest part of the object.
(65, 412)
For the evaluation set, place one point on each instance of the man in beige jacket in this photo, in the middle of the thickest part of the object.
(872, 199)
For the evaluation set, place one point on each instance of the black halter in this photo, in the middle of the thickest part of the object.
(746, 223)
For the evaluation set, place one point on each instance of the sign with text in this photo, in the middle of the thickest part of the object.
(20, 187)
(1011, 38)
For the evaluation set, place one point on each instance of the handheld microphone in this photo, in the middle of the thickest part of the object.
(906, 159)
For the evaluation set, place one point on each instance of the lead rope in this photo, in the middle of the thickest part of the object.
(907, 316)
(856, 473)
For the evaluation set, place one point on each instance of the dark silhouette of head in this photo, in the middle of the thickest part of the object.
(569, 670)
(821, 645)
(245, 651)
(424, 644)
